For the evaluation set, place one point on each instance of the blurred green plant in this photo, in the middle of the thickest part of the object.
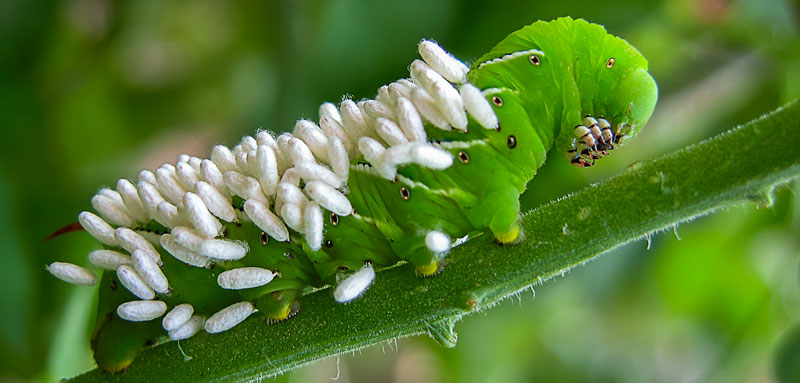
(743, 164)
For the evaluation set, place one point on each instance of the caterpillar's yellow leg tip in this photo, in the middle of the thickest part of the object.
(429, 269)
(507, 237)
(281, 314)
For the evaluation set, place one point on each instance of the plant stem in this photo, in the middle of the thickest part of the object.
(742, 164)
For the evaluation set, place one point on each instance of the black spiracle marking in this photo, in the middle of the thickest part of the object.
(405, 193)
(511, 142)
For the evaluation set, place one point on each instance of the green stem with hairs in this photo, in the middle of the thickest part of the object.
(745, 163)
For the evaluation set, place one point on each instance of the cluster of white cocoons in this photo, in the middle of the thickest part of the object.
(287, 182)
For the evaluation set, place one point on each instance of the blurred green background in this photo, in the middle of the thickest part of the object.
(94, 90)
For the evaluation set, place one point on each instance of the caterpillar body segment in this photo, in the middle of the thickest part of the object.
(372, 183)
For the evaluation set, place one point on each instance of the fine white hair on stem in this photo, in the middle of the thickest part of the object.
(150, 272)
(109, 259)
(223, 249)
(478, 107)
(266, 220)
(437, 242)
(188, 329)
(448, 66)
(132, 281)
(228, 317)
(141, 311)
(244, 278)
(313, 225)
(97, 228)
(71, 273)
(352, 286)
(329, 198)
(176, 317)
(183, 254)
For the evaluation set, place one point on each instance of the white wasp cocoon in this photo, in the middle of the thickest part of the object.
(437, 242)
(74, 274)
(168, 184)
(97, 228)
(109, 259)
(188, 329)
(431, 157)
(377, 109)
(132, 241)
(266, 220)
(222, 249)
(150, 196)
(427, 108)
(298, 151)
(132, 281)
(112, 210)
(242, 163)
(314, 137)
(337, 153)
(353, 121)
(195, 163)
(244, 278)
(211, 174)
(244, 186)
(385, 169)
(188, 237)
(390, 132)
(216, 203)
(249, 143)
(168, 215)
(327, 109)
(293, 216)
(447, 98)
(141, 311)
(291, 194)
(201, 218)
(409, 120)
(147, 176)
(176, 317)
(354, 285)
(130, 197)
(448, 66)
(291, 177)
(266, 169)
(183, 158)
(150, 272)
(329, 198)
(371, 149)
(183, 254)
(399, 155)
(187, 176)
(264, 137)
(309, 171)
(384, 97)
(223, 158)
(312, 216)
(333, 128)
(229, 317)
(478, 107)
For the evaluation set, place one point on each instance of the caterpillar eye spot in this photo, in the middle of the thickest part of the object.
(497, 101)
(535, 60)
(334, 219)
(264, 238)
(463, 157)
(328, 243)
(404, 193)
(610, 63)
(512, 142)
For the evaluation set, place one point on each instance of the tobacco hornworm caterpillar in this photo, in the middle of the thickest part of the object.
(206, 242)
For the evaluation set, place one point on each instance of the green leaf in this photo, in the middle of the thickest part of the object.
(740, 165)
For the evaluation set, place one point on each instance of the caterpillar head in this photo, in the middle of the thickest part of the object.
(584, 89)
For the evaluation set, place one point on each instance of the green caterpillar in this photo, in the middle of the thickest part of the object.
(432, 159)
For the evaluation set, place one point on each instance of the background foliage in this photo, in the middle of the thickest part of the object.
(92, 90)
